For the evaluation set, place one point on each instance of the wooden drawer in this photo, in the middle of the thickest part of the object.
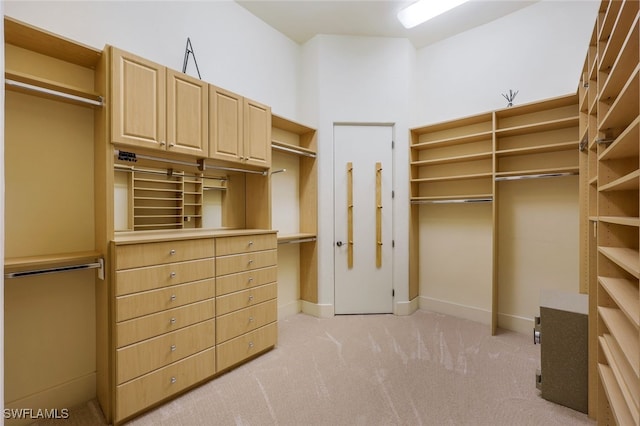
(246, 262)
(135, 360)
(149, 389)
(244, 280)
(136, 330)
(137, 255)
(236, 350)
(245, 243)
(151, 277)
(245, 298)
(149, 302)
(239, 322)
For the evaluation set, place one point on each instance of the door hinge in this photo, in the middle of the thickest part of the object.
(393, 243)
(393, 144)
(393, 194)
(393, 292)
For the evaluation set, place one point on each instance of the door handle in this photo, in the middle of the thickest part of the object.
(339, 243)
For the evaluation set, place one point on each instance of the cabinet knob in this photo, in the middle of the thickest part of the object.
(173, 348)
(250, 279)
(250, 297)
(162, 143)
(250, 345)
(250, 243)
(250, 261)
(172, 320)
(173, 380)
(173, 274)
(173, 297)
(250, 319)
(171, 145)
(172, 252)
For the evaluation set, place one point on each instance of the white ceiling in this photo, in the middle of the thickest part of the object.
(301, 20)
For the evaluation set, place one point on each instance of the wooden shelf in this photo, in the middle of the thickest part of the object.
(452, 178)
(538, 149)
(292, 149)
(619, 37)
(32, 85)
(625, 294)
(295, 238)
(538, 172)
(561, 123)
(630, 391)
(625, 107)
(452, 198)
(620, 70)
(455, 159)
(457, 140)
(18, 264)
(625, 145)
(37, 40)
(624, 333)
(624, 183)
(621, 220)
(614, 395)
(628, 259)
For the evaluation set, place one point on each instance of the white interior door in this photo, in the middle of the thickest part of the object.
(363, 161)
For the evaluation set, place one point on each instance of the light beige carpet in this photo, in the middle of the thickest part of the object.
(422, 369)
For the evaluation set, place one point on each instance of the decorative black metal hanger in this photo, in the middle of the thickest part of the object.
(189, 50)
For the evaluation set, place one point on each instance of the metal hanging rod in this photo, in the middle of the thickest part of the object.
(169, 172)
(298, 241)
(95, 265)
(454, 201)
(201, 165)
(536, 176)
(57, 93)
(293, 150)
(278, 171)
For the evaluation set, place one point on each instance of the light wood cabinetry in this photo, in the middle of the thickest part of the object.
(151, 341)
(240, 129)
(156, 107)
(463, 161)
(295, 187)
(246, 270)
(610, 122)
(177, 302)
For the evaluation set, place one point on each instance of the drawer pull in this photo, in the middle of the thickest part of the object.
(172, 320)
(173, 297)
(250, 261)
(251, 298)
(250, 345)
(173, 348)
(250, 319)
(173, 274)
(172, 252)
(250, 279)
(250, 243)
(173, 380)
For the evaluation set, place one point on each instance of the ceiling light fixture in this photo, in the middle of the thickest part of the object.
(423, 10)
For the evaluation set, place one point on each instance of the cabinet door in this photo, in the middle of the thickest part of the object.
(187, 114)
(225, 125)
(257, 134)
(138, 101)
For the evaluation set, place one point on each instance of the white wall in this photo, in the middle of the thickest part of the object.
(538, 50)
(234, 49)
(358, 80)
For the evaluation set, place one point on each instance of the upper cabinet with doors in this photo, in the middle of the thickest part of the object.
(156, 107)
(239, 129)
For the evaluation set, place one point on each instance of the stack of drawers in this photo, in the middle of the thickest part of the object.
(164, 320)
(246, 292)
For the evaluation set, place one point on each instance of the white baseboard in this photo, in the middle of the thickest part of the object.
(515, 323)
(406, 308)
(65, 396)
(472, 313)
(317, 310)
(289, 309)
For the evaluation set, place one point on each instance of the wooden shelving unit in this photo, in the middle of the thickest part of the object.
(461, 161)
(611, 118)
(297, 143)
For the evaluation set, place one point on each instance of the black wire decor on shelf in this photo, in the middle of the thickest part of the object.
(189, 51)
(508, 96)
